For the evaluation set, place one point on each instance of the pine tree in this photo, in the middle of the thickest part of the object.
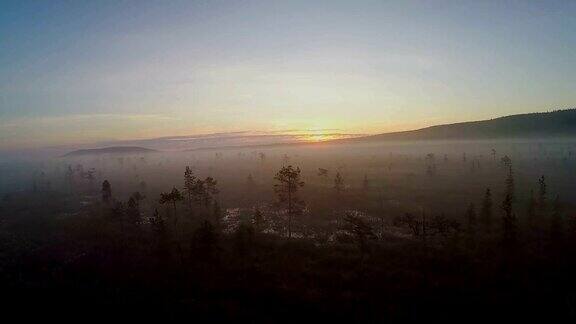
(287, 187)
(361, 233)
(133, 211)
(510, 183)
(210, 190)
(69, 177)
(542, 196)
(508, 222)
(172, 197)
(189, 182)
(138, 197)
(106, 192)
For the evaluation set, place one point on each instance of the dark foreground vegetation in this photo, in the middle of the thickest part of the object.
(455, 237)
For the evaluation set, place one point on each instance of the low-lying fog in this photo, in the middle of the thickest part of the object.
(437, 176)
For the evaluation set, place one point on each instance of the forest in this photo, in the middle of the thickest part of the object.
(378, 232)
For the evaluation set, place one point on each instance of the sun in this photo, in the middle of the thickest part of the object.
(317, 137)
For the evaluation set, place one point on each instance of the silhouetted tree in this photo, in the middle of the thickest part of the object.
(510, 182)
(106, 192)
(430, 164)
(137, 197)
(542, 195)
(69, 176)
(119, 212)
(508, 222)
(133, 211)
(210, 190)
(189, 184)
(157, 222)
(204, 190)
(506, 161)
(287, 187)
(360, 231)
(172, 197)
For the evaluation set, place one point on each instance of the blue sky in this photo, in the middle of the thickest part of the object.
(83, 71)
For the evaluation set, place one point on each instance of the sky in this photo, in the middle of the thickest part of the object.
(75, 72)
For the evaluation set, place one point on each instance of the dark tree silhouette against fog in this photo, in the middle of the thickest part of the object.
(106, 192)
(338, 183)
(288, 182)
(189, 184)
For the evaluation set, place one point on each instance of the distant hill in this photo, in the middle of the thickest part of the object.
(111, 150)
(556, 124)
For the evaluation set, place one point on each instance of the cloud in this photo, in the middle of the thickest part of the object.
(78, 128)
